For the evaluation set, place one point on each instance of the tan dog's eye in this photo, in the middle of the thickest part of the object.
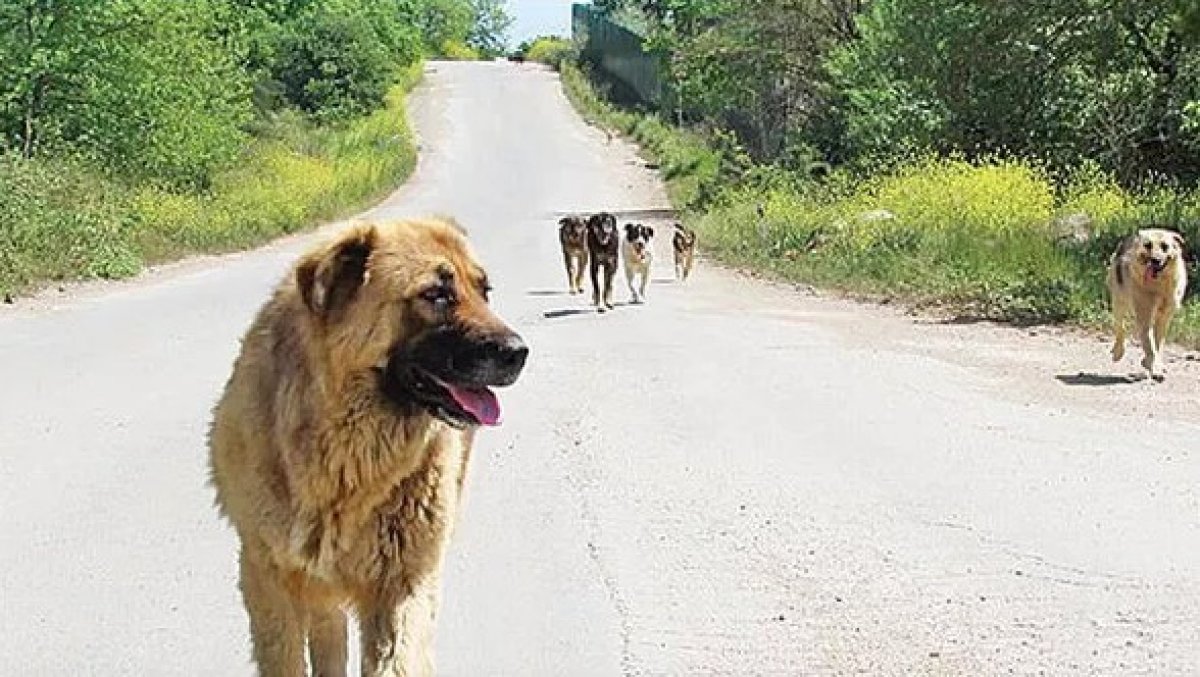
(438, 294)
(1148, 246)
(1165, 246)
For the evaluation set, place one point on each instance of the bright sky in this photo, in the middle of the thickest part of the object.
(539, 17)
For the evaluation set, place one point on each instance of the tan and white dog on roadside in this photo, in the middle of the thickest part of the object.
(638, 255)
(1146, 282)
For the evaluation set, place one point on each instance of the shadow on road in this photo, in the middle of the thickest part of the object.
(567, 312)
(1097, 380)
(545, 292)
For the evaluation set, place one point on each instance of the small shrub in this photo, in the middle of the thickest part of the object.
(551, 51)
(457, 50)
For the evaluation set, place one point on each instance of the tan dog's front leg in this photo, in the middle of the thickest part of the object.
(276, 622)
(1145, 326)
(397, 638)
(1120, 315)
(327, 643)
(1162, 323)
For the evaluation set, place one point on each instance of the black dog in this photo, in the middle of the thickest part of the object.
(603, 243)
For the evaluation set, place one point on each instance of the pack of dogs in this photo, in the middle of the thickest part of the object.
(1147, 274)
(596, 243)
(340, 444)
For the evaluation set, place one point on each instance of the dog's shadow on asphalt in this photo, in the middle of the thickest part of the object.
(567, 312)
(1099, 380)
(545, 292)
(571, 312)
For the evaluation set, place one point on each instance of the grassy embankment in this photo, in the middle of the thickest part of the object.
(1001, 240)
(60, 221)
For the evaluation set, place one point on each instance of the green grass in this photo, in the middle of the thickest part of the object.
(691, 168)
(61, 221)
(983, 239)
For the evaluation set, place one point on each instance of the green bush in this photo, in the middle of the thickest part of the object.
(457, 50)
(61, 221)
(141, 89)
(552, 51)
(333, 65)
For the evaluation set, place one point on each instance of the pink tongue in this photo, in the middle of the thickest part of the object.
(481, 403)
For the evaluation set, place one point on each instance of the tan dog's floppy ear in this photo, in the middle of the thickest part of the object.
(1178, 240)
(329, 279)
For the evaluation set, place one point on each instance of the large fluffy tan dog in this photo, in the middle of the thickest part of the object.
(1146, 281)
(340, 444)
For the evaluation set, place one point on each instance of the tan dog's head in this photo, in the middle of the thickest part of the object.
(403, 308)
(1154, 250)
(572, 230)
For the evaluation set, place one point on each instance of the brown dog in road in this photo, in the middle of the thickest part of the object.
(573, 236)
(603, 245)
(1147, 280)
(684, 244)
(340, 444)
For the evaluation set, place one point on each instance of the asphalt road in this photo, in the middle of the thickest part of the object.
(735, 478)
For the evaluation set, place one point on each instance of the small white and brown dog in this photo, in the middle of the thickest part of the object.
(1147, 279)
(638, 255)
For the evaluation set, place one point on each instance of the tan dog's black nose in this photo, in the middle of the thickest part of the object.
(507, 357)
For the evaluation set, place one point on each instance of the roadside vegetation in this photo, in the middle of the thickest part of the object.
(977, 156)
(136, 131)
(549, 50)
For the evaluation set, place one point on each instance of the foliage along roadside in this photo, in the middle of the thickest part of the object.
(138, 130)
(65, 220)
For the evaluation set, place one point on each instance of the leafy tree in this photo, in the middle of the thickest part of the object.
(337, 59)
(1112, 81)
(489, 33)
(139, 86)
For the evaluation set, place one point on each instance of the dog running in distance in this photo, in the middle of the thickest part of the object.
(340, 444)
(1146, 283)
(638, 256)
(573, 237)
(603, 245)
(684, 245)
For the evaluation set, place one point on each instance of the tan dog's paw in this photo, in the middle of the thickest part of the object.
(1118, 352)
